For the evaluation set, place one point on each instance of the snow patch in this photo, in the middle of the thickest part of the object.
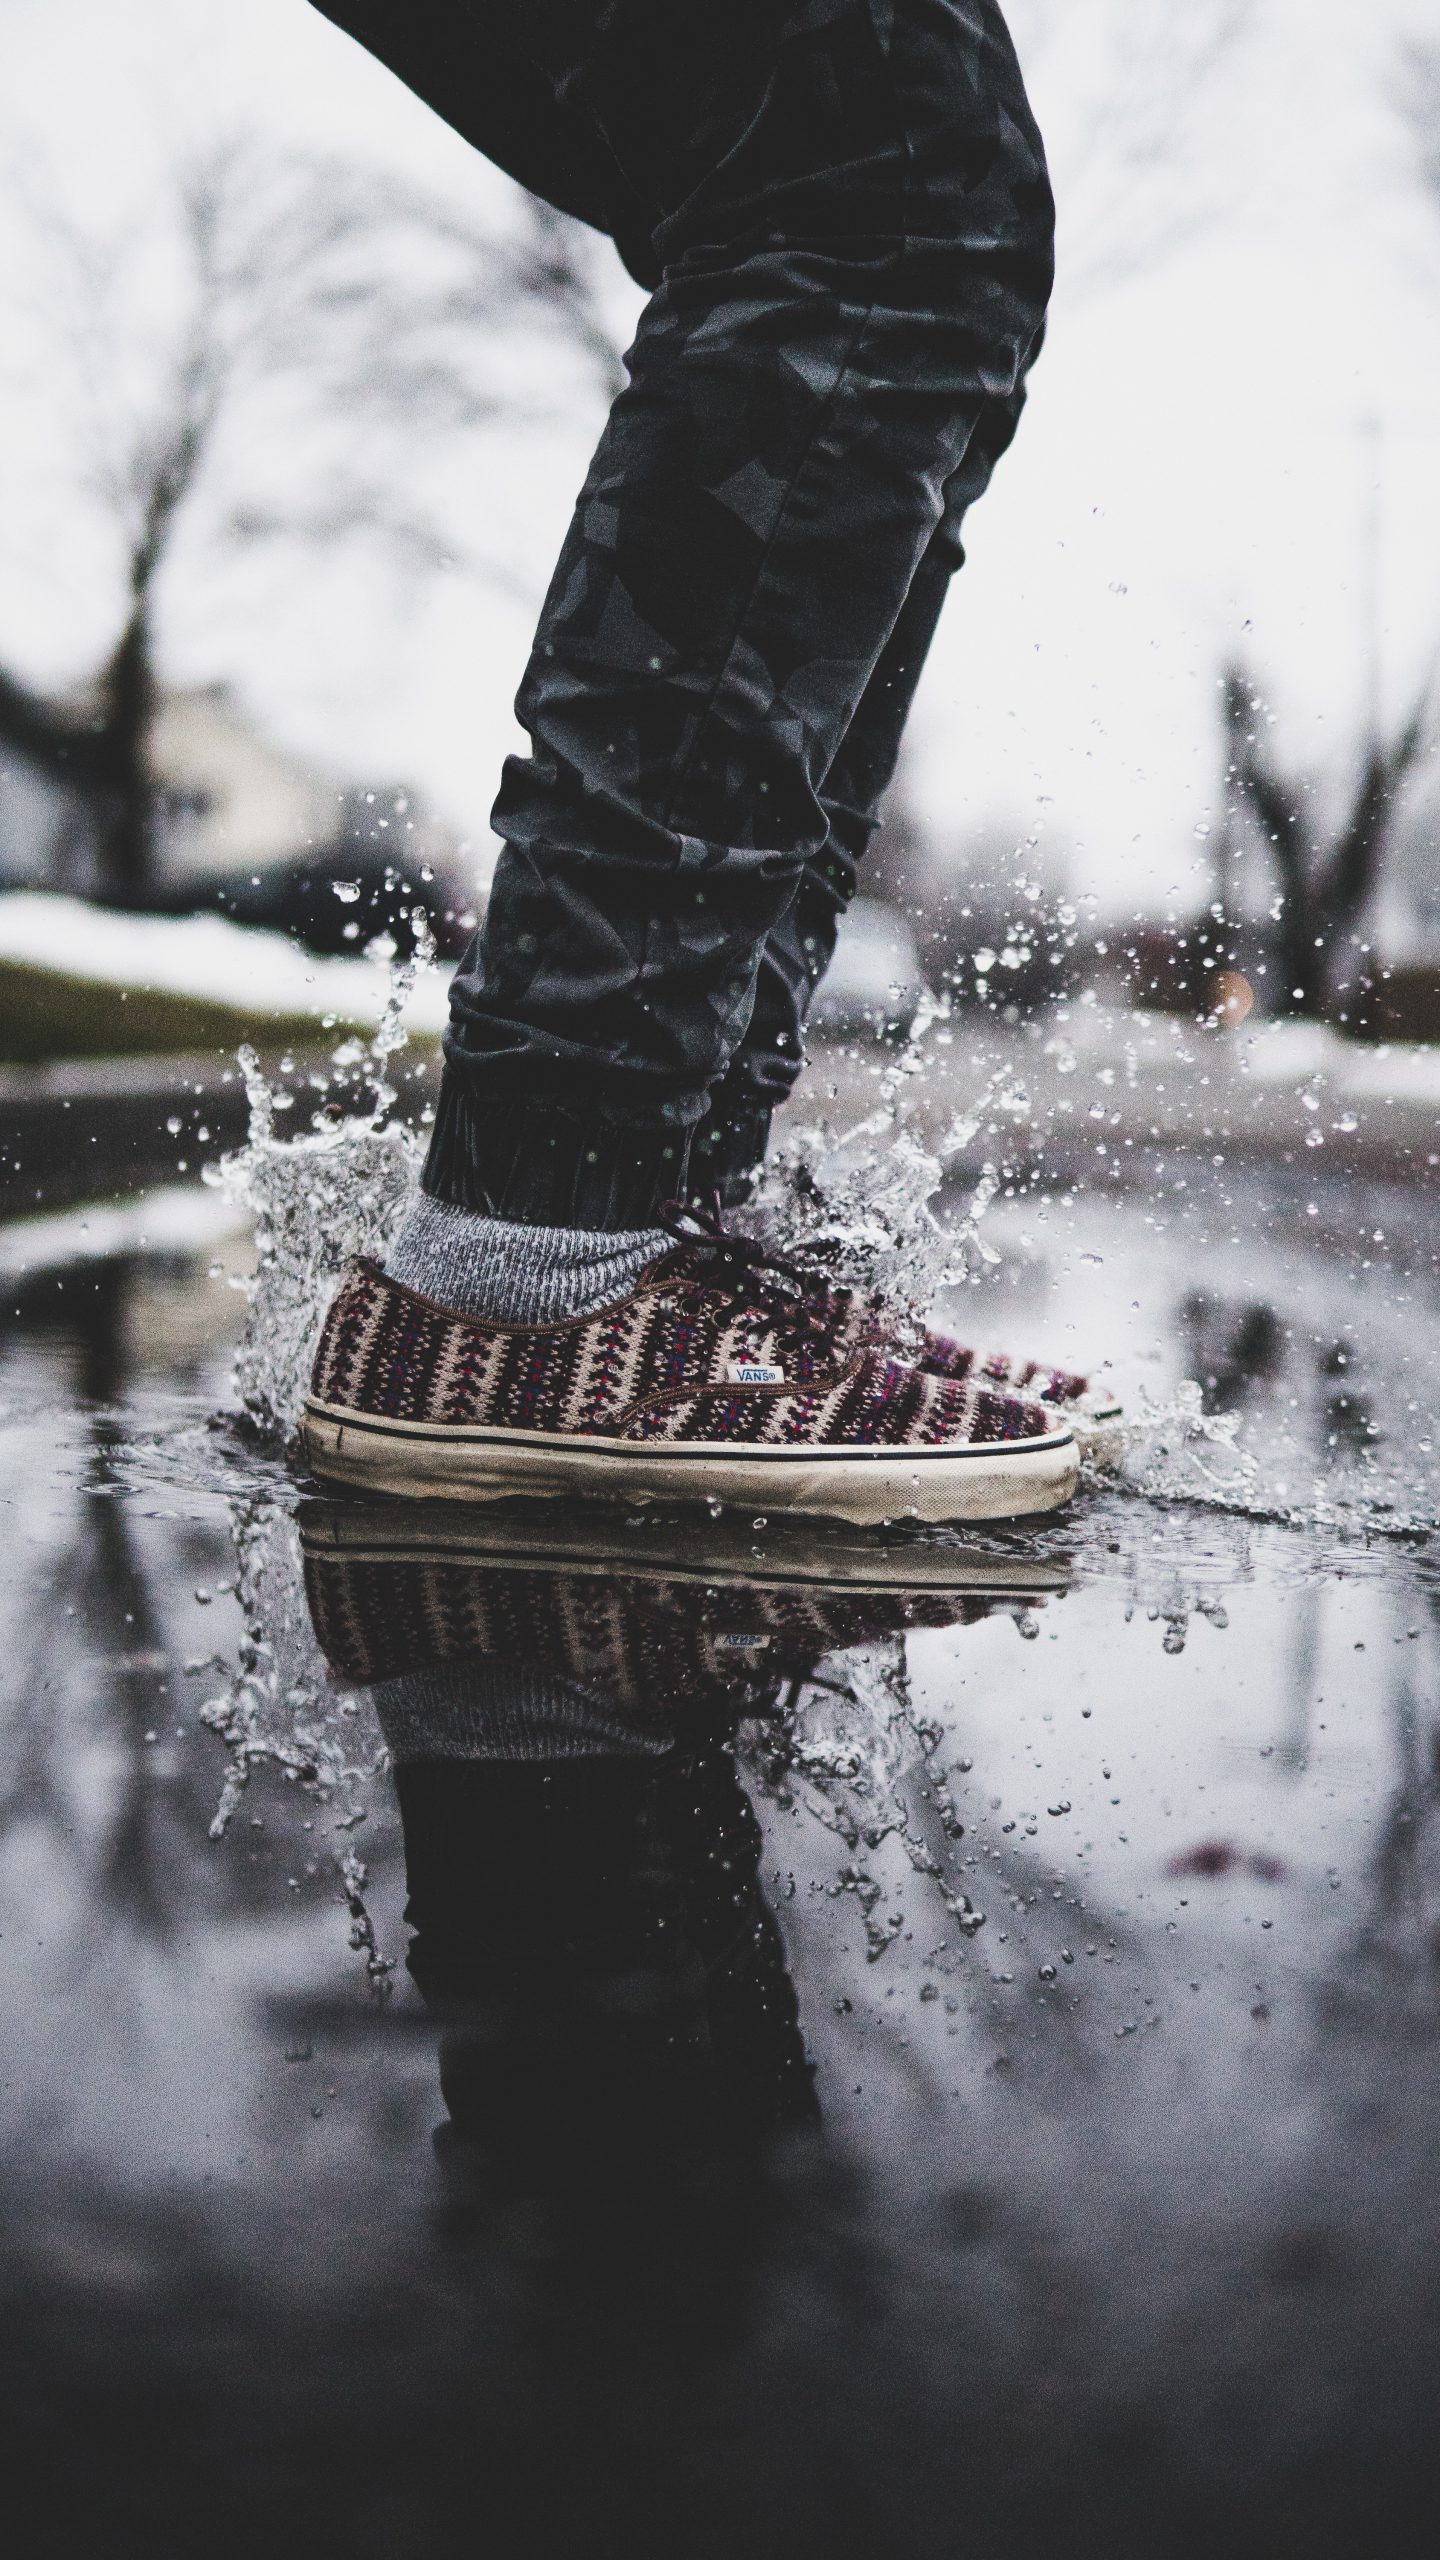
(204, 957)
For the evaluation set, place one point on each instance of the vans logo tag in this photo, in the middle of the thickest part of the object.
(755, 1373)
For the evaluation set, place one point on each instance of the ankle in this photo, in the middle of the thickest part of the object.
(515, 1273)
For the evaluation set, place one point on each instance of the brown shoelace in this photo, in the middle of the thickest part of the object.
(802, 1309)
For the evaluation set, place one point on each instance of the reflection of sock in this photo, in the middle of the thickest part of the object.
(518, 1274)
(487, 1709)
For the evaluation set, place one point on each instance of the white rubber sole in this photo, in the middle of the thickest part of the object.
(460, 1462)
(1100, 1433)
(600, 1539)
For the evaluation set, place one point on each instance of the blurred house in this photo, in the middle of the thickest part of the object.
(226, 796)
(240, 824)
(47, 834)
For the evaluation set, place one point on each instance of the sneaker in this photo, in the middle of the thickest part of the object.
(943, 1357)
(1095, 1415)
(858, 1315)
(721, 1378)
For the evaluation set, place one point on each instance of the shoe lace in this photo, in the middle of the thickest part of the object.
(801, 1307)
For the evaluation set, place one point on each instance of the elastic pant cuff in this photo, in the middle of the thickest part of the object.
(549, 1162)
(727, 1152)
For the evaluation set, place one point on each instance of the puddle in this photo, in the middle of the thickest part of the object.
(815, 2030)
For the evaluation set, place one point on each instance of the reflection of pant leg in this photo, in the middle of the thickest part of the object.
(594, 1933)
(731, 1141)
(854, 267)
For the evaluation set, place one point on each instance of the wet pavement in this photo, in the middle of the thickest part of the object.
(893, 2043)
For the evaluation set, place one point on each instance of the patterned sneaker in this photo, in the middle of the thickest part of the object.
(720, 1379)
(860, 1316)
(1095, 1415)
(941, 1356)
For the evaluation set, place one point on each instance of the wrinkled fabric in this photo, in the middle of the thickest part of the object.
(843, 211)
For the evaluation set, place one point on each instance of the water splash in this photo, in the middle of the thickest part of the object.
(1172, 1448)
(281, 1710)
(861, 1205)
(1171, 1451)
(865, 1765)
(316, 1201)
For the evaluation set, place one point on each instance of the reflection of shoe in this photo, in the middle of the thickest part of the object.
(719, 1379)
(649, 1635)
(788, 1553)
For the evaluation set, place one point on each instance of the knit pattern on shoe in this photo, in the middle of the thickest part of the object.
(855, 1319)
(676, 1360)
(946, 1358)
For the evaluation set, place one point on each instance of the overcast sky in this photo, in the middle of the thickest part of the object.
(1195, 475)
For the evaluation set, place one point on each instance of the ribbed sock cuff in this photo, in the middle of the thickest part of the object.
(518, 1274)
(550, 1162)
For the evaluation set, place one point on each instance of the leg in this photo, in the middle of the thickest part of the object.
(855, 246)
(852, 236)
(731, 1141)
(484, 79)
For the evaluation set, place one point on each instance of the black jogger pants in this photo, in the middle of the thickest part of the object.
(842, 210)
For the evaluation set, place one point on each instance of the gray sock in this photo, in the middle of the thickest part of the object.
(485, 1709)
(517, 1274)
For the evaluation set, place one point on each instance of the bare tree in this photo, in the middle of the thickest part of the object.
(1418, 96)
(1326, 877)
(279, 348)
(1119, 85)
